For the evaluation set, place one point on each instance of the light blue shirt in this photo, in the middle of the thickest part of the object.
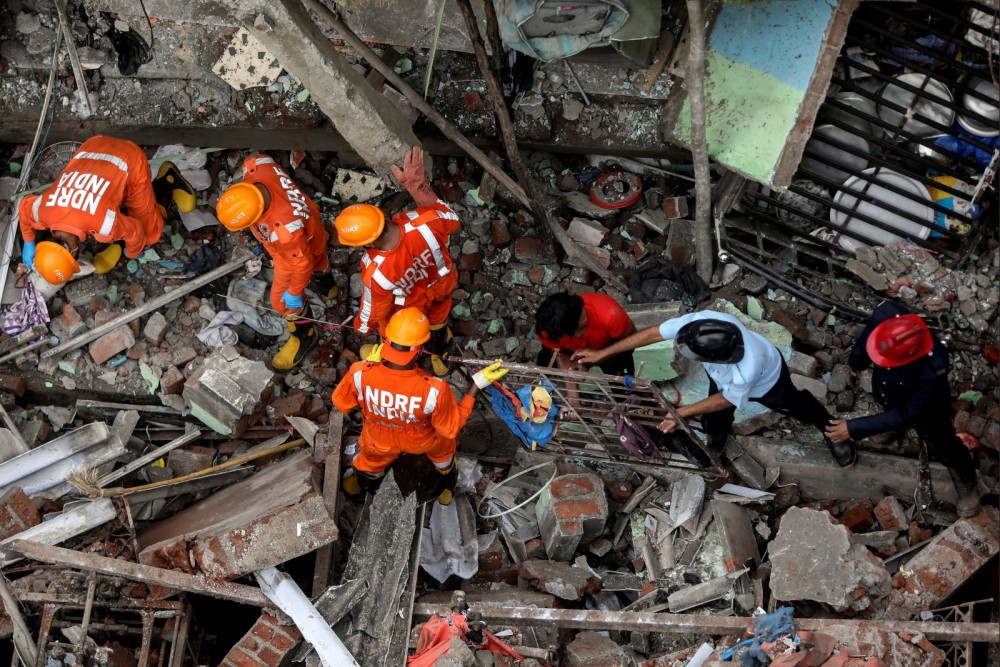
(752, 376)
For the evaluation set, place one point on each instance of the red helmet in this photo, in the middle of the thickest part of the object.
(899, 341)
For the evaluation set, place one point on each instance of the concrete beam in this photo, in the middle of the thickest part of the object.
(717, 626)
(375, 128)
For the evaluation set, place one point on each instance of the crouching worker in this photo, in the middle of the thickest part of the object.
(742, 366)
(910, 380)
(403, 409)
(287, 224)
(106, 192)
(566, 323)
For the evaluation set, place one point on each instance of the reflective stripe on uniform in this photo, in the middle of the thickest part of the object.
(273, 237)
(366, 308)
(432, 401)
(357, 385)
(109, 223)
(34, 209)
(445, 465)
(435, 247)
(106, 157)
(294, 226)
(383, 282)
(448, 213)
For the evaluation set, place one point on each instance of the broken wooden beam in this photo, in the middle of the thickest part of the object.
(710, 625)
(148, 307)
(172, 579)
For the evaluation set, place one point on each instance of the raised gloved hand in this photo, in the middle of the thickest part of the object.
(28, 254)
(375, 354)
(413, 177)
(292, 301)
(490, 374)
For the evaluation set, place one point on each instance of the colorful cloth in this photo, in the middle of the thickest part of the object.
(30, 310)
(530, 432)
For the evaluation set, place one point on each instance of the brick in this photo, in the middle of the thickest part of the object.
(600, 255)
(290, 405)
(172, 381)
(263, 630)
(620, 491)
(917, 533)
(802, 364)
(890, 514)
(182, 356)
(795, 325)
(533, 250)
(17, 512)
(241, 658)
(283, 642)
(675, 207)
(571, 486)
(71, 321)
(191, 459)
(500, 233)
(587, 232)
(111, 344)
(858, 517)
(576, 509)
(269, 656)
(156, 329)
(941, 567)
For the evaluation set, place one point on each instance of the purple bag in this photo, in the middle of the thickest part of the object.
(634, 437)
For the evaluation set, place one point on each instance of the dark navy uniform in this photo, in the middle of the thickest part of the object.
(915, 395)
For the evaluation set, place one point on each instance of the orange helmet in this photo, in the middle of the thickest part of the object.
(899, 341)
(240, 206)
(359, 224)
(55, 263)
(407, 330)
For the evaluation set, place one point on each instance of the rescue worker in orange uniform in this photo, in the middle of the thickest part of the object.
(406, 263)
(287, 223)
(403, 409)
(103, 176)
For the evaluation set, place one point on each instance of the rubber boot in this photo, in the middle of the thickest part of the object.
(446, 485)
(324, 285)
(968, 492)
(440, 347)
(844, 453)
(169, 185)
(107, 259)
(357, 482)
(303, 338)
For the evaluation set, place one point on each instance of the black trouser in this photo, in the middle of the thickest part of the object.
(784, 398)
(620, 364)
(944, 444)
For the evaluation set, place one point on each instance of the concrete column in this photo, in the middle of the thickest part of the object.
(374, 128)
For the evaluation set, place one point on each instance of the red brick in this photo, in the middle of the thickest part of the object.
(172, 381)
(576, 509)
(533, 250)
(500, 233)
(291, 405)
(17, 512)
(571, 485)
(471, 262)
(71, 320)
(111, 344)
(240, 658)
(291, 631)
(918, 533)
(890, 514)
(268, 618)
(621, 491)
(282, 642)
(858, 518)
(269, 656)
(249, 643)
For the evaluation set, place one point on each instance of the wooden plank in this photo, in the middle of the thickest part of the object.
(331, 491)
(181, 581)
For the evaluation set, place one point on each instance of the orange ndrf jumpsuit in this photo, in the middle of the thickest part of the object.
(87, 198)
(418, 272)
(290, 230)
(404, 411)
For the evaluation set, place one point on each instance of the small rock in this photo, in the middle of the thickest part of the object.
(571, 109)
(26, 23)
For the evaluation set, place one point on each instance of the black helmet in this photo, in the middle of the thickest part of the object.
(714, 341)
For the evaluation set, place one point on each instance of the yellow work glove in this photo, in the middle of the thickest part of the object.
(490, 374)
(374, 354)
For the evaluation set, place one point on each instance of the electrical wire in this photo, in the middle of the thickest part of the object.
(150, 24)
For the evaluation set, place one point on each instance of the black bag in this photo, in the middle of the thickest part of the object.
(660, 280)
(634, 437)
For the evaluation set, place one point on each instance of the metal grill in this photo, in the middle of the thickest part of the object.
(880, 166)
(588, 430)
(957, 654)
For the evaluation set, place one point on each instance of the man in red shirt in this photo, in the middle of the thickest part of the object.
(565, 323)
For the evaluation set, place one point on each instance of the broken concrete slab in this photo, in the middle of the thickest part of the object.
(592, 649)
(562, 580)
(819, 478)
(889, 647)
(954, 555)
(228, 392)
(813, 559)
(269, 518)
(376, 129)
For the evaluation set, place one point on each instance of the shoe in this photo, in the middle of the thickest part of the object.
(446, 485)
(968, 493)
(324, 285)
(303, 338)
(107, 259)
(844, 453)
(440, 347)
(169, 185)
